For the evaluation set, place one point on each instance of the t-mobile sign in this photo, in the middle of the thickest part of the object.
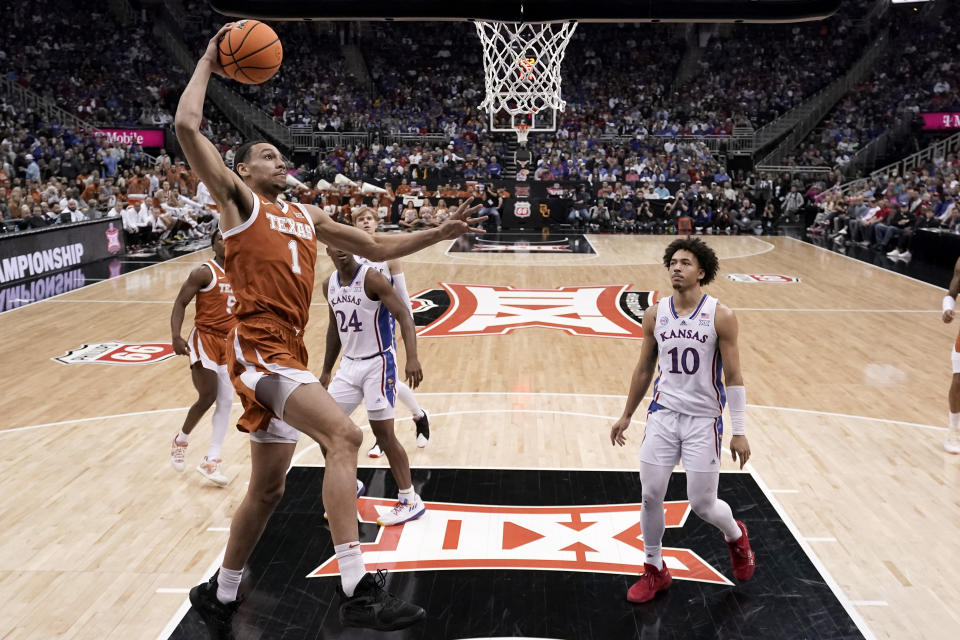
(936, 121)
(143, 137)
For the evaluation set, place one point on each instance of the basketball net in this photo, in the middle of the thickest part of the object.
(521, 67)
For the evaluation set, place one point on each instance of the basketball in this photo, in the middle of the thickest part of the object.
(250, 52)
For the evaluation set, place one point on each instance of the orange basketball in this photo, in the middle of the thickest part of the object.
(250, 52)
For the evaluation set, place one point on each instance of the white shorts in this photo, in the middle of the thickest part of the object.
(670, 437)
(277, 432)
(955, 359)
(371, 381)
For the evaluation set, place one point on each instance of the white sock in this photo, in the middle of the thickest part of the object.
(350, 560)
(407, 399)
(182, 438)
(954, 421)
(227, 584)
(407, 495)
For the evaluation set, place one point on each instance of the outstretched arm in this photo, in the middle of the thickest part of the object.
(381, 247)
(225, 187)
(377, 288)
(198, 279)
(642, 375)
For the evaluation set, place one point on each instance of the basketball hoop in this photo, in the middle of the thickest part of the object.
(521, 68)
(522, 131)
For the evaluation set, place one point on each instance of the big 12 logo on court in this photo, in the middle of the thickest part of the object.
(118, 353)
(600, 311)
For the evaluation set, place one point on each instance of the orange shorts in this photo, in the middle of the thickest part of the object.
(262, 346)
(209, 349)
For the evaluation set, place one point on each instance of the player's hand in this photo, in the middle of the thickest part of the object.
(616, 433)
(462, 221)
(212, 54)
(180, 346)
(325, 379)
(413, 373)
(739, 447)
(948, 315)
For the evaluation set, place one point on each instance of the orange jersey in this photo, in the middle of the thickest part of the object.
(216, 303)
(270, 260)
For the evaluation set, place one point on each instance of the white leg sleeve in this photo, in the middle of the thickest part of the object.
(221, 414)
(702, 492)
(653, 480)
(407, 399)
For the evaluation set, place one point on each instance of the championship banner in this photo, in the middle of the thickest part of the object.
(37, 253)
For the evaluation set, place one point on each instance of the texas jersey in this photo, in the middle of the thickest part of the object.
(216, 303)
(689, 368)
(270, 260)
(363, 324)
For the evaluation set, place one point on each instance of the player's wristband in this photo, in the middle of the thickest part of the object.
(949, 303)
(737, 401)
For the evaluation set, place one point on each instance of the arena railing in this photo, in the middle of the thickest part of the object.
(939, 149)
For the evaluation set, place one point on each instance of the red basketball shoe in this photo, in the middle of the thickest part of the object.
(742, 558)
(652, 581)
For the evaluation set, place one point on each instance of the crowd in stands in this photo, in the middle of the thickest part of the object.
(884, 213)
(919, 73)
(50, 175)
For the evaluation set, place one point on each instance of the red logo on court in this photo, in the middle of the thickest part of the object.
(598, 539)
(606, 311)
(118, 353)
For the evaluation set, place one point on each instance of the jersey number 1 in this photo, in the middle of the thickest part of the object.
(294, 257)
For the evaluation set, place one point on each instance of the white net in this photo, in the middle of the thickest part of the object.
(521, 65)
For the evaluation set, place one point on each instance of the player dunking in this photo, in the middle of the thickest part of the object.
(366, 219)
(271, 250)
(952, 443)
(207, 348)
(695, 341)
(363, 306)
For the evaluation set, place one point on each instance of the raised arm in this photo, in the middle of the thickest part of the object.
(377, 288)
(198, 279)
(381, 247)
(642, 375)
(225, 187)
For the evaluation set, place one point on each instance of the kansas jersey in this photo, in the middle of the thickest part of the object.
(270, 260)
(379, 266)
(689, 369)
(364, 324)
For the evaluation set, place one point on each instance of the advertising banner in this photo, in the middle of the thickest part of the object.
(45, 251)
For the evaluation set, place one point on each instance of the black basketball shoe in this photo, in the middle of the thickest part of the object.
(216, 615)
(423, 429)
(373, 607)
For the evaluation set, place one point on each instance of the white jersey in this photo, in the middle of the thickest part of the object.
(379, 266)
(364, 324)
(689, 368)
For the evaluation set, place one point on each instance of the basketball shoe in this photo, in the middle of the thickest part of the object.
(375, 451)
(215, 614)
(178, 455)
(952, 443)
(423, 429)
(650, 583)
(360, 491)
(373, 607)
(742, 558)
(402, 512)
(210, 469)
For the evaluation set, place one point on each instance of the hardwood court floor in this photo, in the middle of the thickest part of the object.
(846, 371)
